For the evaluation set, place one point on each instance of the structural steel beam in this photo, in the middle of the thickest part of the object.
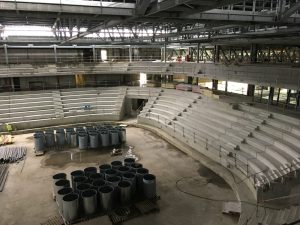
(290, 11)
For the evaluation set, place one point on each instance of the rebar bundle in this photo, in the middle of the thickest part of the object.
(3, 176)
(12, 154)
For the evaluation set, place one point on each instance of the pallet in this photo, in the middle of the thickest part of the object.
(55, 220)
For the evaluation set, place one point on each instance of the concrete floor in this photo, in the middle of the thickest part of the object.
(27, 197)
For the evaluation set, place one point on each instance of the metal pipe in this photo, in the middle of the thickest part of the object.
(78, 181)
(57, 177)
(60, 184)
(90, 170)
(125, 192)
(129, 161)
(149, 186)
(83, 141)
(123, 169)
(60, 194)
(116, 164)
(106, 197)
(89, 198)
(94, 140)
(130, 177)
(139, 179)
(104, 167)
(76, 173)
(110, 173)
(135, 166)
(96, 176)
(70, 207)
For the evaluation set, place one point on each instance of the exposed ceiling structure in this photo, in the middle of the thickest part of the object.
(155, 22)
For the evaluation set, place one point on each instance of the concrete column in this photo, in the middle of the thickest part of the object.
(271, 95)
(6, 53)
(288, 98)
(130, 54)
(215, 84)
(253, 53)
(165, 52)
(197, 80)
(298, 100)
(250, 90)
(217, 54)
(190, 80)
(198, 52)
(94, 54)
(55, 52)
(226, 86)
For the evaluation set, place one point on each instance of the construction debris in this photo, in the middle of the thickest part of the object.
(12, 154)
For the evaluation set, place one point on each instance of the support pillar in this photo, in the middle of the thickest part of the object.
(198, 52)
(165, 52)
(298, 100)
(288, 98)
(190, 80)
(253, 53)
(278, 96)
(55, 53)
(6, 54)
(130, 54)
(250, 90)
(226, 86)
(215, 85)
(217, 53)
(94, 54)
(271, 96)
(197, 81)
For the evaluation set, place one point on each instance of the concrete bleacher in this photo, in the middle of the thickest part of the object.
(26, 110)
(261, 146)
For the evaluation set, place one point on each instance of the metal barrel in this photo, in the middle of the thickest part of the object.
(132, 179)
(78, 129)
(125, 192)
(114, 137)
(96, 176)
(113, 181)
(60, 194)
(81, 188)
(74, 139)
(76, 173)
(70, 204)
(98, 183)
(129, 161)
(69, 131)
(135, 166)
(94, 140)
(122, 134)
(57, 177)
(60, 137)
(83, 141)
(78, 181)
(116, 164)
(60, 184)
(110, 173)
(90, 170)
(139, 179)
(149, 186)
(106, 197)
(104, 138)
(39, 141)
(123, 169)
(50, 138)
(104, 167)
(89, 199)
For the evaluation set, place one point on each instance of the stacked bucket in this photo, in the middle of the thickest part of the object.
(90, 192)
(88, 137)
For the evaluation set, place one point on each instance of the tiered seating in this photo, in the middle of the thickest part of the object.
(80, 102)
(19, 107)
(37, 109)
(262, 147)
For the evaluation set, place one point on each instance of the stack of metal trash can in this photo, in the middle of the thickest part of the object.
(88, 137)
(94, 191)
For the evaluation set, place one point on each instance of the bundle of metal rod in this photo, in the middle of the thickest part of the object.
(12, 154)
(3, 176)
